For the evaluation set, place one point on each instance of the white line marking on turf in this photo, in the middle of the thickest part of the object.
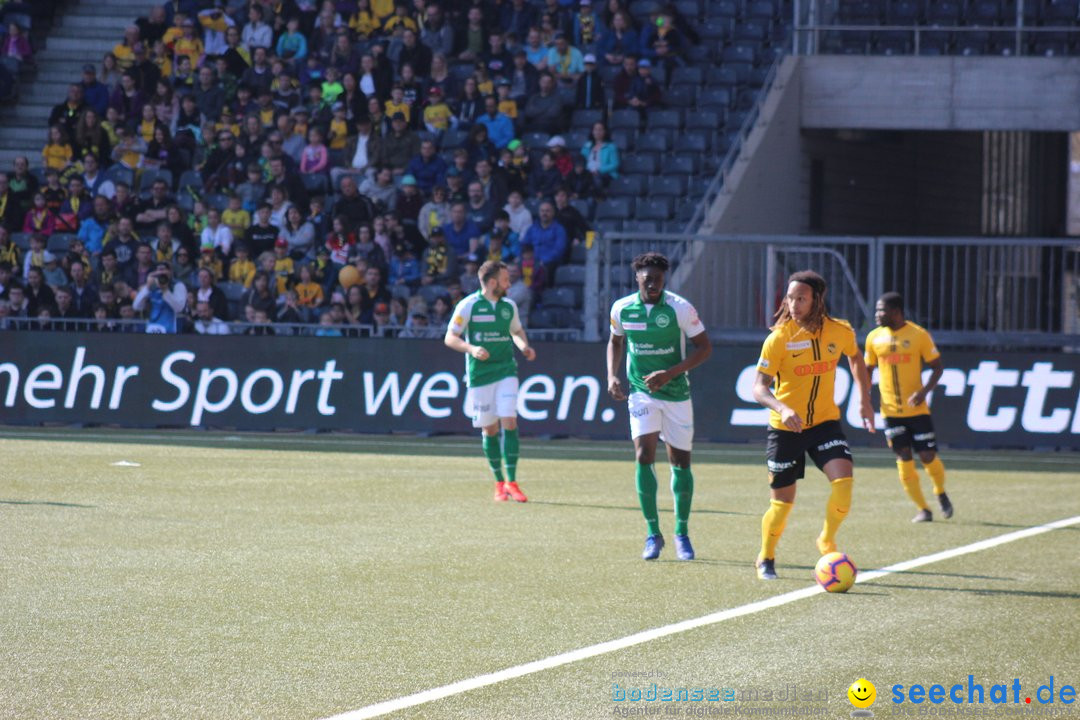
(375, 442)
(645, 636)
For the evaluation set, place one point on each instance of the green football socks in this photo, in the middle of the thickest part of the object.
(493, 455)
(682, 489)
(511, 450)
(646, 492)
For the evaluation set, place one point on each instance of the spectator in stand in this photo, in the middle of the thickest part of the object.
(242, 268)
(153, 25)
(92, 230)
(643, 92)
(110, 70)
(435, 213)
(83, 293)
(439, 263)
(208, 292)
(565, 60)
(408, 202)
(427, 168)
(480, 211)
(260, 296)
(57, 153)
(39, 218)
(575, 224)
(360, 148)
(601, 156)
(533, 274)
(152, 210)
(316, 157)
(623, 82)
(548, 238)
(524, 79)
(590, 88)
(217, 234)
(493, 183)
(520, 217)
(291, 44)
(162, 298)
(356, 208)
(183, 269)
(16, 46)
(472, 39)
(209, 97)
(398, 148)
(517, 17)
(588, 28)
(95, 94)
(500, 127)
(206, 322)
(436, 32)
(298, 233)
(462, 234)
(438, 117)
(619, 42)
(381, 189)
(536, 52)
(126, 99)
(545, 178)
(519, 292)
(545, 111)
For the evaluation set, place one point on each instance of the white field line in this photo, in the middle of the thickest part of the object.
(462, 686)
(362, 442)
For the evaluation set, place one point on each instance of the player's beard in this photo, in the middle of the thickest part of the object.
(498, 292)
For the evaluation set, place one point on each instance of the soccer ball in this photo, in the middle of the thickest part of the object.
(835, 572)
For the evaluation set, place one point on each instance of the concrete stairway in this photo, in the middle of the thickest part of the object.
(84, 33)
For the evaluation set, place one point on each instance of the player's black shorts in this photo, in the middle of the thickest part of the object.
(916, 431)
(785, 451)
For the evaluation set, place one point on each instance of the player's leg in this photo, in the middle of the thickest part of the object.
(678, 434)
(830, 452)
(785, 456)
(899, 436)
(480, 402)
(506, 407)
(925, 442)
(645, 480)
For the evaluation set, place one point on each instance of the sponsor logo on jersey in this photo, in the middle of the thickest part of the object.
(483, 318)
(895, 431)
(634, 326)
(662, 321)
(906, 344)
(775, 466)
(895, 358)
(801, 345)
(831, 348)
(832, 444)
(763, 363)
(817, 368)
(924, 436)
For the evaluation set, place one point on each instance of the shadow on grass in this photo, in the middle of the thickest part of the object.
(1048, 594)
(45, 502)
(633, 508)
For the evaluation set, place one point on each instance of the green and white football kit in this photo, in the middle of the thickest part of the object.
(656, 340)
(492, 383)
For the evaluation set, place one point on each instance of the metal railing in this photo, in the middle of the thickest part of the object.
(814, 19)
(716, 185)
(187, 327)
(969, 291)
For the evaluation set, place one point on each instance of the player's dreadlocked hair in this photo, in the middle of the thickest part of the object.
(650, 259)
(818, 312)
(893, 301)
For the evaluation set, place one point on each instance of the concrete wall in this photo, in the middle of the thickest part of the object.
(941, 93)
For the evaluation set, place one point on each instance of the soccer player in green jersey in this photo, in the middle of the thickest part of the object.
(485, 326)
(654, 324)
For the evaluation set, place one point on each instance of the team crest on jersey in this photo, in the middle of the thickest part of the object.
(662, 321)
(906, 344)
(831, 348)
(505, 313)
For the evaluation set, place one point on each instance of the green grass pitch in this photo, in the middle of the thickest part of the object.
(298, 576)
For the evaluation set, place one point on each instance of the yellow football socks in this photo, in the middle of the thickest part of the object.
(835, 512)
(936, 470)
(772, 527)
(909, 478)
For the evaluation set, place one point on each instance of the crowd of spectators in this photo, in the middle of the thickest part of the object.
(345, 164)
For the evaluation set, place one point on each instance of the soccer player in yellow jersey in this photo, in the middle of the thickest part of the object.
(799, 359)
(899, 348)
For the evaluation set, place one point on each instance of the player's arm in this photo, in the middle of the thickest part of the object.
(862, 384)
(937, 368)
(615, 348)
(702, 351)
(763, 395)
(517, 334)
(455, 340)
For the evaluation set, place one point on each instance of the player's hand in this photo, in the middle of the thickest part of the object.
(791, 420)
(656, 380)
(867, 414)
(614, 388)
(479, 353)
(529, 353)
(917, 398)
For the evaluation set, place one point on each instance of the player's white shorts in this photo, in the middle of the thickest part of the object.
(674, 420)
(487, 403)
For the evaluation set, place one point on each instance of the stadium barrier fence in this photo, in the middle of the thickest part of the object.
(378, 385)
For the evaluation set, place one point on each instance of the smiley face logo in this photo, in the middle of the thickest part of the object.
(862, 693)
